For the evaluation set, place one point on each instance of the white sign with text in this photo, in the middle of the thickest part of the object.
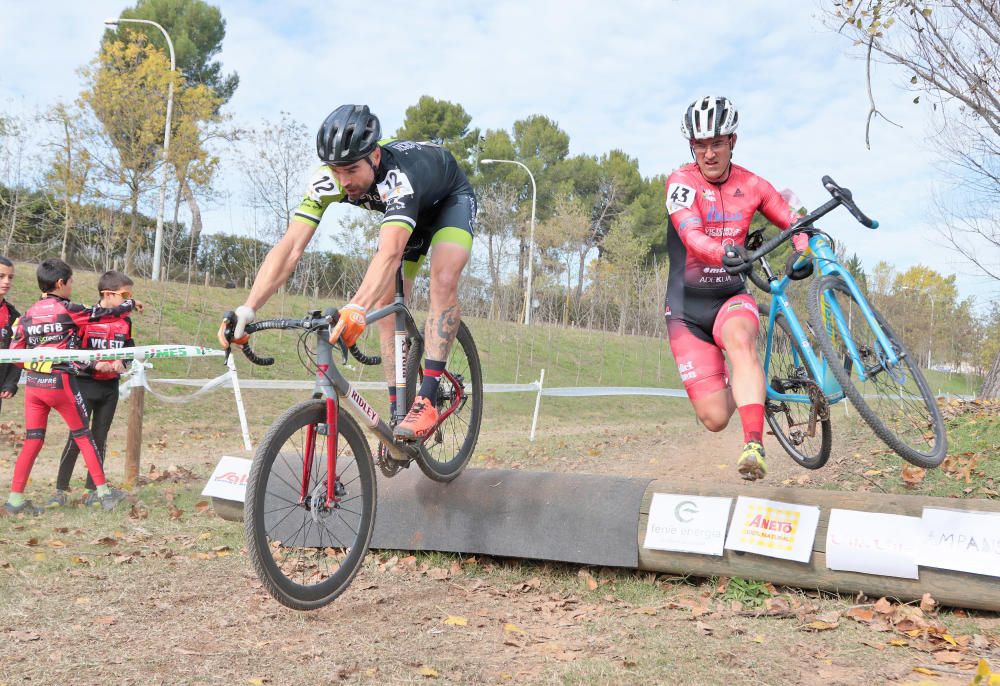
(229, 480)
(773, 528)
(961, 540)
(873, 543)
(687, 523)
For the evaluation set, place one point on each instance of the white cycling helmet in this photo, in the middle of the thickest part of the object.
(709, 117)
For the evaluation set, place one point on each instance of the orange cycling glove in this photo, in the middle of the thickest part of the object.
(350, 326)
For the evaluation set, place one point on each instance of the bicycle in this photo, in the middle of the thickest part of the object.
(307, 534)
(861, 357)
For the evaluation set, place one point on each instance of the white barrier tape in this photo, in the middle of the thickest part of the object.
(141, 352)
(585, 391)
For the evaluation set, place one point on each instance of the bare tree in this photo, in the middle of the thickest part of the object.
(276, 160)
(951, 53)
(13, 148)
(496, 223)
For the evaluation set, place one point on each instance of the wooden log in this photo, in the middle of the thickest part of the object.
(956, 589)
(133, 438)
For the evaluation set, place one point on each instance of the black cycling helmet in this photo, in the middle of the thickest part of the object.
(348, 134)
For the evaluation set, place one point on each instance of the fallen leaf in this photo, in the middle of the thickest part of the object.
(883, 606)
(454, 620)
(588, 579)
(927, 603)
(948, 657)
(175, 512)
(924, 670)
(861, 614)
(55, 543)
(202, 506)
(512, 629)
(258, 681)
(705, 629)
(24, 636)
(106, 621)
(912, 475)
(428, 672)
(106, 540)
(899, 642)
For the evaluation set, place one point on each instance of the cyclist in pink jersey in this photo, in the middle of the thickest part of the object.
(711, 203)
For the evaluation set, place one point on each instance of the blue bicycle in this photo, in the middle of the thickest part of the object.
(861, 356)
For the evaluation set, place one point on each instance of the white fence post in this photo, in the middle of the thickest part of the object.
(538, 403)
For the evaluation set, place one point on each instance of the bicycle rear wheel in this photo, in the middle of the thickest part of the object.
(446, 452)
(306, 553)
(894, 400)
(802, 428)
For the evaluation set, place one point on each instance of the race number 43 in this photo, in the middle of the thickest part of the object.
(679, 197)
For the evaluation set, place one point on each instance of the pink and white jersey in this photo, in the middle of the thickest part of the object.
(706, 217)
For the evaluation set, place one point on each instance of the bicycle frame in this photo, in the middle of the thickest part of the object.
(780, 304)
(335, 388)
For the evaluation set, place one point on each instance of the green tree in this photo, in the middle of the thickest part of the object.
(443, 122)
(197, 30)
(125, 88)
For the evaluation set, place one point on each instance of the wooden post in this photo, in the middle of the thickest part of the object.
(133, 440)
(957, 589)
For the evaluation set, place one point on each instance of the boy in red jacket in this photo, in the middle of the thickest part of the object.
(56, 322)
(98, 382)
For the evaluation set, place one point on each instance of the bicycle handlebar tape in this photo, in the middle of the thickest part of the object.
(367, 360)
(254, 358)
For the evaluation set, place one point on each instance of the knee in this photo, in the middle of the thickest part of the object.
(445, 282)
(714, 421)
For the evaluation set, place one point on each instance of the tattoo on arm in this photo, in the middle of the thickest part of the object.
(447, 328)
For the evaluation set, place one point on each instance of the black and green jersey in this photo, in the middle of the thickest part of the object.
(412, 182)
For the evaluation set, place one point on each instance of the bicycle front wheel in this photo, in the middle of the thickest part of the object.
(446, 452)
(305, 552)
(894, 399)
(802, 427)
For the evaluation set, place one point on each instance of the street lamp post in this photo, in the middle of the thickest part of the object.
(531, 237)
(158, 240)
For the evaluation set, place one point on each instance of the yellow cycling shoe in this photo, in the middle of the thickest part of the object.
(751, 464)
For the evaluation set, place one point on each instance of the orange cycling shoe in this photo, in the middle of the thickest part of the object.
(419, 421)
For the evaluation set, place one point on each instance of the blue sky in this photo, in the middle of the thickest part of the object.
(612, 76)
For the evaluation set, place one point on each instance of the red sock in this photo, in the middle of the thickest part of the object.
(752, 417)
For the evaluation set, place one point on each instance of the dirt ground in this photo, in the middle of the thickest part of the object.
(163, 593)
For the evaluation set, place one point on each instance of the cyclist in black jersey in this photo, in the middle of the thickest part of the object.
(426, 202)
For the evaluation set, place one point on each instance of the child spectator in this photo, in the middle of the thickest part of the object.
(56, 322)
(98, 382)
(9, 373)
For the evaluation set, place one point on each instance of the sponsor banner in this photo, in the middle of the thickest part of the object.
(687, 523)
(873, 543)
(229, 480)
(773, 528)
(960, 540)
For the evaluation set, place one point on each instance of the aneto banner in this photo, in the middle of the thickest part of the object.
(773, 528)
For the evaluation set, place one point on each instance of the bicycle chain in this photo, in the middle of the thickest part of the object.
(388, 465)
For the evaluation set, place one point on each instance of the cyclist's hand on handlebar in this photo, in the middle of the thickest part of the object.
(233, 328)
(350, 325)
(801, 242)
(736, 260)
